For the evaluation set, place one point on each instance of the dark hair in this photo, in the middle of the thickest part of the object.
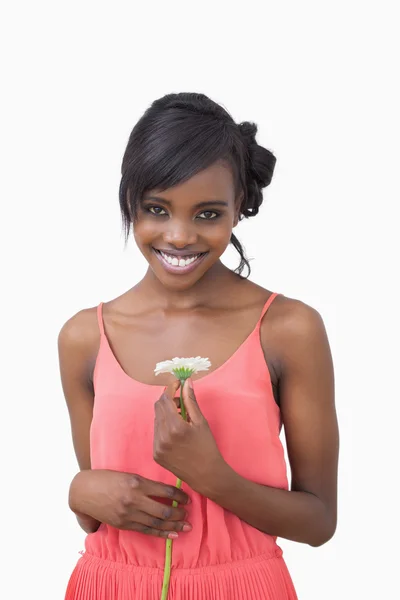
(182, 134)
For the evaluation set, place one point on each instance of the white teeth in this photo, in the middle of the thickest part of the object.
(181, 262)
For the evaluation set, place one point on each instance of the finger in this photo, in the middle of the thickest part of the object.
(162, 511)
(151, 531)
(154, 523)
(170, 407)
(166, 398)
(161, 490)
(171, 389)
(158, 412)
(168, 402)
(190, 401)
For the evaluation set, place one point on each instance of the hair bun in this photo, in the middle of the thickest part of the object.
(248, 131)
(260, 166)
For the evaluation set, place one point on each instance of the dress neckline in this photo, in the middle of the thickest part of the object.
(209, 374)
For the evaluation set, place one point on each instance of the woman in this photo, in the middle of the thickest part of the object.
(189, 175)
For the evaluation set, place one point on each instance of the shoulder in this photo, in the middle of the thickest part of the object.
(294, 318)
(290, 327)
(80, 334)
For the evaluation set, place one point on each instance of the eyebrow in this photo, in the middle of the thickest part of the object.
(198, 205)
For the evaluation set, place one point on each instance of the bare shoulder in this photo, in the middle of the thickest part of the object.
(79, 338)
(79, 329)
(294, 317)
(290, 328)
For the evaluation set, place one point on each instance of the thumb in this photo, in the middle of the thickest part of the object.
(190, 401)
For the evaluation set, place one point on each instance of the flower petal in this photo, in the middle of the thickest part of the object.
(192, 364)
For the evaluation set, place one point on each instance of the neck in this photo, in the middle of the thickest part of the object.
(205, 292)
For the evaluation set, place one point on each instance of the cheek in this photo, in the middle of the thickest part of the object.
(219, 235)
(143, 231)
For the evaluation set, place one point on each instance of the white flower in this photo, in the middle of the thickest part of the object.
(182, 368)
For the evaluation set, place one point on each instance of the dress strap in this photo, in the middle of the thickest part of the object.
(100, 318)
(267, 305)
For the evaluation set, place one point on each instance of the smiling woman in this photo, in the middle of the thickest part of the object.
(194, 133)
(189, 175)
(177, 235)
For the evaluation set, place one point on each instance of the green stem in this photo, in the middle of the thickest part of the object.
(168, 544)
(182, 405)
(167, 569)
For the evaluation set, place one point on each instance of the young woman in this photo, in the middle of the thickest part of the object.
(189, 175)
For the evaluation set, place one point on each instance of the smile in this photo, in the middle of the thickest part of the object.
(179, 264)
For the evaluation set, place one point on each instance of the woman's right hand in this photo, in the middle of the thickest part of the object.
(126, 501)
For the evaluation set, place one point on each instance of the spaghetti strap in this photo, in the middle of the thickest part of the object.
(100, 318)
(267, 305)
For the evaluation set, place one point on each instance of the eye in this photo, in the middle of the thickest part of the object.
(209, 212)
(151, 208)
(158, 211)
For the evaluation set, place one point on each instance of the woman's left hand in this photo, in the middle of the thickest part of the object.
(186, 448)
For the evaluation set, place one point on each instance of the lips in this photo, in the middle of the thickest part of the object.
(179, 268)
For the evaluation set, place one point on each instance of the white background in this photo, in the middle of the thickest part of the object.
(319, 78)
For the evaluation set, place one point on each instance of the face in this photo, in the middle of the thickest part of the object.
(183, 231)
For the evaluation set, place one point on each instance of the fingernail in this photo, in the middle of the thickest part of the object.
(190, 383)
(189, 501)
(172, 535)
(187, 527)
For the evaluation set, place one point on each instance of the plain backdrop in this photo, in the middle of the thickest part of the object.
(320, 80)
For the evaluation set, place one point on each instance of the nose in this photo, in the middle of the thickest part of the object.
(180, 234)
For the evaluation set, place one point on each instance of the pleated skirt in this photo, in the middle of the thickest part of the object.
(258, 578)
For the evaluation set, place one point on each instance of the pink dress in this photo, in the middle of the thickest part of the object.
(222, 558)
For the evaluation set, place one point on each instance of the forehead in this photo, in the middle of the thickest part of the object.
(215, 182)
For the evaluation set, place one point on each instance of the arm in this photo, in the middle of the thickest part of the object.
(75, 346)
(119, 499)
(308, 512)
